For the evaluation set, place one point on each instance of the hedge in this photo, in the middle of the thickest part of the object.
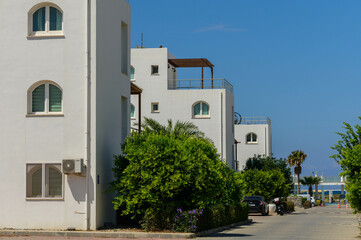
(222, 215)
(289, 206)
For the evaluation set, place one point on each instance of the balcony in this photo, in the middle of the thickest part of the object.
(252, 120)
(187, 84)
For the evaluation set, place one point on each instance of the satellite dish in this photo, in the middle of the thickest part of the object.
(237, 118)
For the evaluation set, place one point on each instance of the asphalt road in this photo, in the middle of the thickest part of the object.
(316, 223)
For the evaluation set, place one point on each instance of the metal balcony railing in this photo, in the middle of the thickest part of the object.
(254, 120)
(220, 83)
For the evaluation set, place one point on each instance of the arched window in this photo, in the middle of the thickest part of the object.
(251, 138)
(45, 97)
(200, 110)
(132, 73)
(45, 19)
(47, 177)
(132, 111)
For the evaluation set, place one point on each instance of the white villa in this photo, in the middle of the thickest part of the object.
(62, 70)
(208, 103)
(253, 136)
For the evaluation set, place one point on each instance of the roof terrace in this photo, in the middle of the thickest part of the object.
(174, 84)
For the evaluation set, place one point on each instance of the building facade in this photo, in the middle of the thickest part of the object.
(62, 70)
(208, 103)
(253, 137)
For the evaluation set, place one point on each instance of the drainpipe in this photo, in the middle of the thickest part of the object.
(221, 96)
(87, 117)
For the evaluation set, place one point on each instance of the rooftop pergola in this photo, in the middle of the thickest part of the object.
(192, 62)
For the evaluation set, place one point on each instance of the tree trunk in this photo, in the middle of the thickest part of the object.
(299, 185)
(310, 190)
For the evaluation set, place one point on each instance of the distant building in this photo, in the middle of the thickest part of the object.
(65, 96)
(208, 103)
(253, 137)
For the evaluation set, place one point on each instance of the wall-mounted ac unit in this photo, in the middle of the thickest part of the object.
(73, 166)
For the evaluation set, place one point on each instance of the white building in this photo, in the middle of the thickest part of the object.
(208, 103)
(253, 137)
(62, 71)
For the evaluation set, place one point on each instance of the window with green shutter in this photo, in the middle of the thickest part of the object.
(38, 99)
(55, 98)
(200, 110)
(46, 98)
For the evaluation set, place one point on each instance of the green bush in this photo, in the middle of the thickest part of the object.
(289, 206)
(222, 215)
(304, 199)
(158, 170)
(269, 184)
(307, 204)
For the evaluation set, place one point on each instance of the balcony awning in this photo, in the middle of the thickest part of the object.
(190, 62)
(134, 89)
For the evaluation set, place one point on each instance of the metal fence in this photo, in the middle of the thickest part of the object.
(254, 120)
(219, 83)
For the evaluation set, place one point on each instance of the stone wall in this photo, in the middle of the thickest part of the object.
(296, 200)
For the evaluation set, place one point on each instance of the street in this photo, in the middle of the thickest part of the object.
(316, 223)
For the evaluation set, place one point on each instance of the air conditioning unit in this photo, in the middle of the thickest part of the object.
(73, 166)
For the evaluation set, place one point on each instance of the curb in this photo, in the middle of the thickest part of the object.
(95, 234)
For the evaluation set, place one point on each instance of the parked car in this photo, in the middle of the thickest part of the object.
(257, 204)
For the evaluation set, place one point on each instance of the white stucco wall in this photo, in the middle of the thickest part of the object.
(263, 146)
(177, 104)
(49, 139)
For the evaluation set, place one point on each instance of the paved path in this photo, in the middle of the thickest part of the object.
(316, 223)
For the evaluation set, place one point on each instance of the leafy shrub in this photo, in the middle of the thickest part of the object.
(289, 206)
(158, 170)
(269, 184)
(304, 199)
(307, 204)
(222, 215)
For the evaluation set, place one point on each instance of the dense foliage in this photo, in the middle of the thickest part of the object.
(270, 163)
(167, 169)
(269, 184)
(349, 157)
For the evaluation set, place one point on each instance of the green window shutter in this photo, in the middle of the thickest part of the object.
(38, 99)
(197, 109)
(55, 97)
(132, 110)
(205, 109)
(132, 73)
(39, 20)
(56, 19)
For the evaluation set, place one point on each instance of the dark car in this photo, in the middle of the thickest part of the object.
(257, 204)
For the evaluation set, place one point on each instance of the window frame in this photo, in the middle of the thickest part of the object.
(252, 138)
(45, 167)
(201, 115)
(152, 68)
(46, 100)
(132, 68)
(47, 32)
(132, 107)
(152, 109)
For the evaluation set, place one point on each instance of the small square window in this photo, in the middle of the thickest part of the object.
(155, 107)
(155, 69)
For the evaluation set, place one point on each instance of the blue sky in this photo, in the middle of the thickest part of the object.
(297, 62)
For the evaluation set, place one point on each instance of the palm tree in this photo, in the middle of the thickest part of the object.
(309, 181)
(179, 129)
(296, 158)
